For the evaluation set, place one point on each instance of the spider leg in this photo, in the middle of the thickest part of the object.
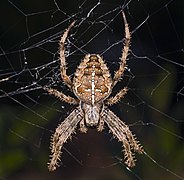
(83, 127)
(100, 126)
(61, 135)
(64, 76)
(62, 96)
(113, 100)
(118, 74)
(122, 132)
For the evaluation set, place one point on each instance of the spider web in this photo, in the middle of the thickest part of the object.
(29, 36)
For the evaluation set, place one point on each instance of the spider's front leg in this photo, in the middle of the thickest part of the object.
(61, 135)
(82, 126)
(100, 126)
(122, 132)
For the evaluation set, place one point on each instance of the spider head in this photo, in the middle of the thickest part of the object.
(91, 113)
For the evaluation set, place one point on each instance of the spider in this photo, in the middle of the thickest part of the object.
(92, 85)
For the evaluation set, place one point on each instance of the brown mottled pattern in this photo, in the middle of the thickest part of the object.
(83, 79)
(92, 85)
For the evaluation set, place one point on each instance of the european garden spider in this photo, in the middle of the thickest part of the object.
(92, 85)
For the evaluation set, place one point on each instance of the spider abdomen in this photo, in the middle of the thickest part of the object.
(92, 81)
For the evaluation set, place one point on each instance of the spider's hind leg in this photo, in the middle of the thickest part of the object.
(118, 74)
(63, 67)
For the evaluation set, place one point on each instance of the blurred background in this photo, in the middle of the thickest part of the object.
(153, 108)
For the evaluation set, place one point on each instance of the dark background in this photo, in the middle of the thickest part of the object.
(153, 108)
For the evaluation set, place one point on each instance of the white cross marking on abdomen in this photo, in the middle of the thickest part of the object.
(93, 85)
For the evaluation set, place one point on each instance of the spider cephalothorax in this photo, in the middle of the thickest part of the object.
(92, 85)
